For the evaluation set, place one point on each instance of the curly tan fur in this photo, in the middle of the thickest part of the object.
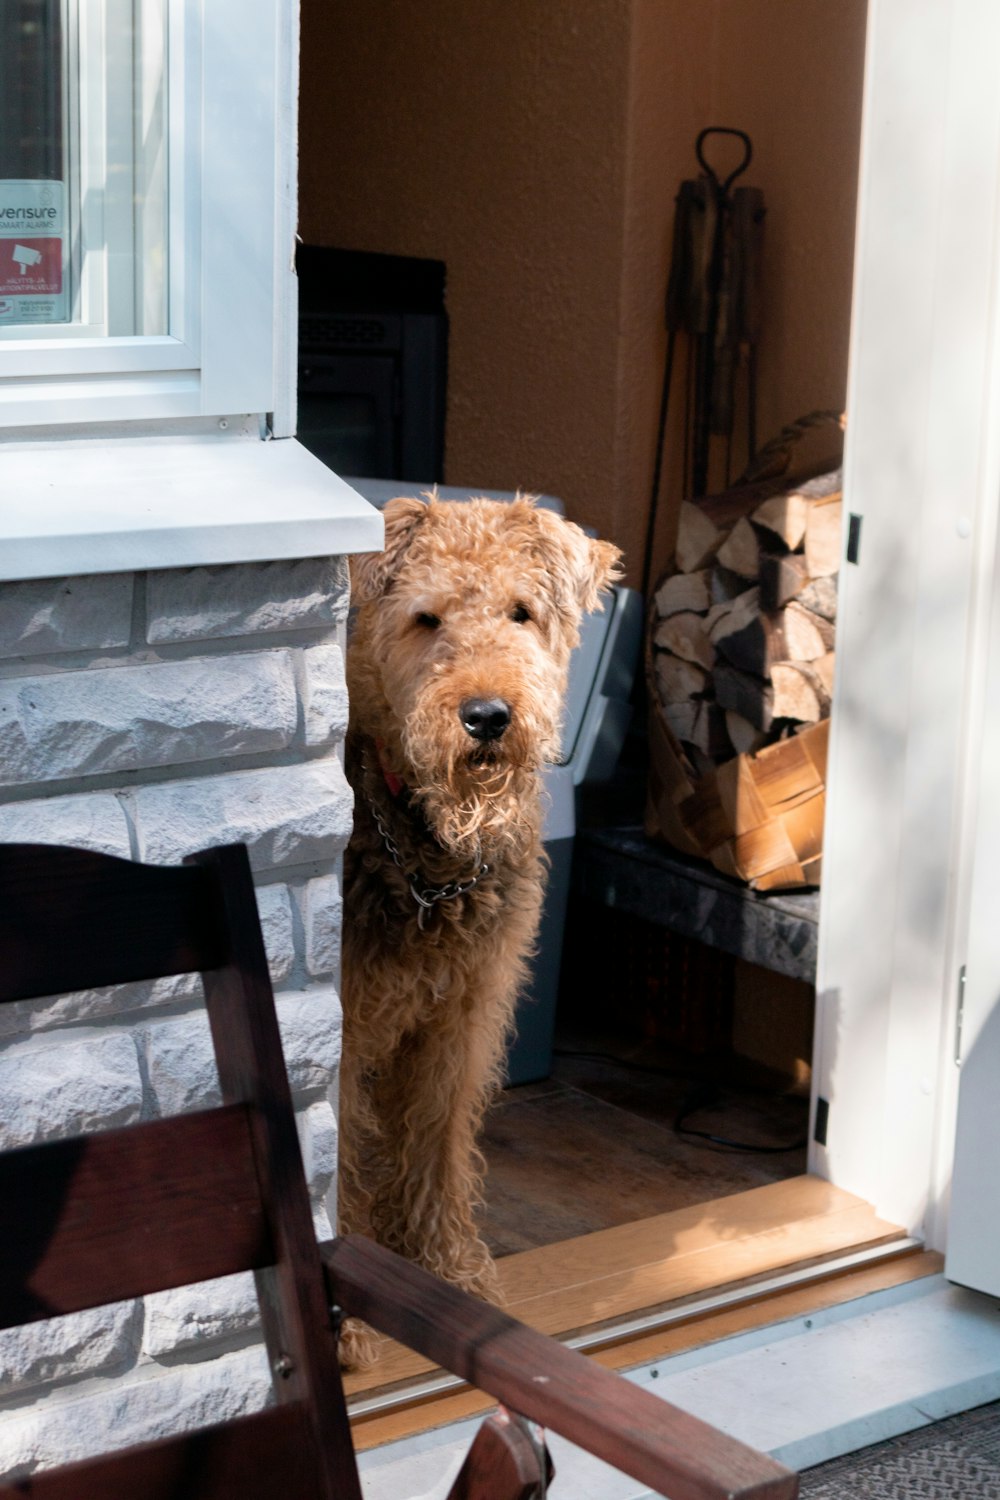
(428, 1004)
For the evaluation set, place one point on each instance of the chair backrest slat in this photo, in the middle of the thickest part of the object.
(295, 1312)
(72, 920)
(190, 1198)
(256, 1458)
(103, 1217)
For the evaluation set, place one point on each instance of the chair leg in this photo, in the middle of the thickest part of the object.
(504, 1463)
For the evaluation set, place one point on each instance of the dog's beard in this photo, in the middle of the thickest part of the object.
(479, 798)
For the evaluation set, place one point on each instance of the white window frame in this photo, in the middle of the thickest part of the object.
(227, 133)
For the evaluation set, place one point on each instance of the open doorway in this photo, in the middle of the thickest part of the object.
(535, 152)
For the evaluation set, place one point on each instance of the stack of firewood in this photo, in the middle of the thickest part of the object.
(740, 656)
(743, 630)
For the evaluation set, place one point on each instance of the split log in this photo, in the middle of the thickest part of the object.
(684, 591)
(698, 538)
(716, 613)
(807, 636)
(726, 586)
(755, 643)
(785, 517)
(823, 539)
(709, 732)
(740, 552)
(820, 674)
(684, 635)
(731, 618)
(794, 695)
(781, 577)
(743, 735)
(820, 596)
(681, 718)
(745, 695)
(824, 669)
(824, 486)
(678, 679)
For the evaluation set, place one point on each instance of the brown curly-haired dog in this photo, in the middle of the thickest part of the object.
(456, 673)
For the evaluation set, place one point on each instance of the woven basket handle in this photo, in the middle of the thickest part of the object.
(774, 458)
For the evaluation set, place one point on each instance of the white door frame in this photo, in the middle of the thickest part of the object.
(922, 472)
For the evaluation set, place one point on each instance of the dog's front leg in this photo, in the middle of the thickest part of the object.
(431, 1100)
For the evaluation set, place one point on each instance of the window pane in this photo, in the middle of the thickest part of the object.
(83, 168)
(31, 112)
(32, 199)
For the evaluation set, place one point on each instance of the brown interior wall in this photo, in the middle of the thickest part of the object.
(489, 135)
(537, 149)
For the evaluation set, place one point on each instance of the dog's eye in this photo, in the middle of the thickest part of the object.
(520, 614)
(429, 622)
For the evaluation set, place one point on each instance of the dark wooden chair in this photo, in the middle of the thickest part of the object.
(122, 1213)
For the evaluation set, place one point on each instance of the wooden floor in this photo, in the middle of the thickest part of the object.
(595, 1145)
(599, 1209)
(666, 1263)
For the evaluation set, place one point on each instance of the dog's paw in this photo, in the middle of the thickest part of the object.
(358, 1345)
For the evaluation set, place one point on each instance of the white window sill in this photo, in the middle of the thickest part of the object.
(99, 505)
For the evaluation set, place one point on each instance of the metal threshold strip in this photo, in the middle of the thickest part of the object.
(416, 1391)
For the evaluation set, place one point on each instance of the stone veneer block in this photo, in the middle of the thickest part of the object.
(92, 820)
(322, 1226)
(97, 1005)
(325, 695)
(97, 1341)
(180, 1062)
(83, 723)
(317, 1128)
(274, 908)
(285, 814)
(323, 916)
(65, 614)
(196, 604)
(189, 1316)
(70, 1084)
(135, 1411)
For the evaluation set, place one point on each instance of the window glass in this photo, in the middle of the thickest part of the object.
(83, 168)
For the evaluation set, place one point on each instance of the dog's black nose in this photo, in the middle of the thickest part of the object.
(484, 718)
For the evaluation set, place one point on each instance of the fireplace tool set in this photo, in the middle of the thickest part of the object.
(713, 297)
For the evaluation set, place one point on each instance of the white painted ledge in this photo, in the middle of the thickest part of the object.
(100, 505)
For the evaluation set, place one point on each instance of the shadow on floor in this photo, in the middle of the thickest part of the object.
(595, 1145)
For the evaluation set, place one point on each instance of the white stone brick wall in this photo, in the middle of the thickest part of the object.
(148, 715)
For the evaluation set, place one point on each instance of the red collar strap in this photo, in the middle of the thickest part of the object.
(393, 782)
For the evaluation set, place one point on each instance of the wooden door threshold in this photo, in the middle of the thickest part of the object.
(634, 1281)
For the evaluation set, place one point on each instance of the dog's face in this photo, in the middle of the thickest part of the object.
(461, 647)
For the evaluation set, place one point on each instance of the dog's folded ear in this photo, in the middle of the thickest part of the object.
(372, 573)
(601, 566)
(578, 565)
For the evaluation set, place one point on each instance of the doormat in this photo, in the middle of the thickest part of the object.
(958, 1457)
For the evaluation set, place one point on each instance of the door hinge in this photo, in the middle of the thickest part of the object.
(959, 1018)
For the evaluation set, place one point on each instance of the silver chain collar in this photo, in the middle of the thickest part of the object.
(424, 894)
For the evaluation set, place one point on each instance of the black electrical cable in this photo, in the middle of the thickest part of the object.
(700, 1097)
